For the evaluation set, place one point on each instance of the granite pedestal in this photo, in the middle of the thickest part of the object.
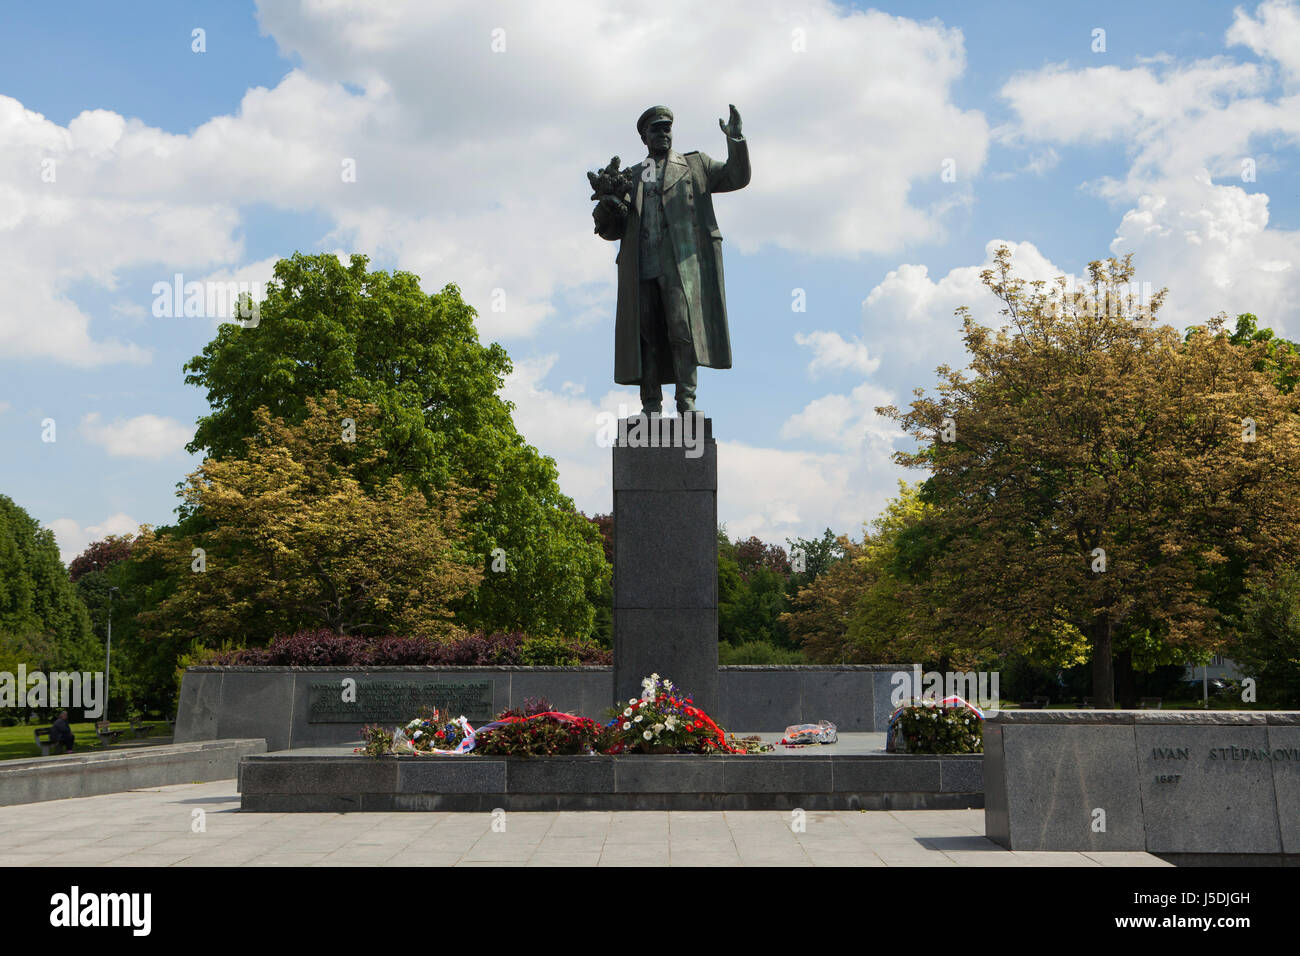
(666, 555)
(1180, 784)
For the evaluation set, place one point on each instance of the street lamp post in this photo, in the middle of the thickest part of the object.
(108, 652)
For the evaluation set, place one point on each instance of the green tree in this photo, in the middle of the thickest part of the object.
(1094, 473)
(752, 578)
(602, 594)
(892, 618)
(380, 339)
(821, 610)
(1278, 357)
(814, 555)
(1267, 644)
(43, 624)
(144, 659)
(296, 543)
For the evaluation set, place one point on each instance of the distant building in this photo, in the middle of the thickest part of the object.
(1219, 666)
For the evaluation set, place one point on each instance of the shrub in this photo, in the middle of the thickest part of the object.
(757, 652)
(547, 651)
(318, 648)
(931, 729)
(402, 651)
(324, 648)
(481, 649)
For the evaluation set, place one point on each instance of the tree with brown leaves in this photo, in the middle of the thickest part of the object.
(1095, 472)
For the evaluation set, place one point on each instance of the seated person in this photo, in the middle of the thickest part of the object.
(61, 734)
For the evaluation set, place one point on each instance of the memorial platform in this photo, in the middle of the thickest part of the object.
(853, 774)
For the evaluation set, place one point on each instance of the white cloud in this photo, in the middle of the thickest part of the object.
(1037, 165)
(909, 317)
(73, 539)
(1185, 125)
(847, 421)
(1142, 105)
(565, 426)
(1211, 246)
(76, 211)
(1274, 35)
(484, 186)
(129, 310)
(143, 436)
(777, 493)
(771, 492)
(831, 352)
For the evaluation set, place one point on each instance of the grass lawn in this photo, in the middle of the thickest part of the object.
(17, 742)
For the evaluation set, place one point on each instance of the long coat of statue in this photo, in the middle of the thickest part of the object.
(690, 180)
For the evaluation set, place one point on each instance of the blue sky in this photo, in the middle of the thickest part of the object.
(470, 167)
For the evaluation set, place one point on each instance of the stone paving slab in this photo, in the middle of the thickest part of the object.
(156, 827)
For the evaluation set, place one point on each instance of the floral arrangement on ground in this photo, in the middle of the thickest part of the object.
(663, 720)
(949, 726)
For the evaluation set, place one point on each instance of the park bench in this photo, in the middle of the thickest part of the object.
(1149, 703)
(105, 734)
(140, 729)
(42, 735)
(1087, 704)
(1035, 704)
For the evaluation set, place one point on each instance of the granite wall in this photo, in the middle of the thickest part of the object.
(118, 770)
(306, 707)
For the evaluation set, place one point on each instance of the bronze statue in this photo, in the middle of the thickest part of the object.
(672, 308)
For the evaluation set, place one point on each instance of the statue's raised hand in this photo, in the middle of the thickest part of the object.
(732, 126)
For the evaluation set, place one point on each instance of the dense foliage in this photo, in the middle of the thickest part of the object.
(100, 554)
(295, 540)
(43, 623)
(379, 339)
(323, 648)
(1097, 482)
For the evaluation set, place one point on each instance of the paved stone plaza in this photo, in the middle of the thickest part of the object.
(155, 827)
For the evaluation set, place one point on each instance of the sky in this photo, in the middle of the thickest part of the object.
(893, 148)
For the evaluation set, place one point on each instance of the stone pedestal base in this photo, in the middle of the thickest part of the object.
(666, 555)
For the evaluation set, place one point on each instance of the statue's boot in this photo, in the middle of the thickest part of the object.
(686, 372)
(652, 393)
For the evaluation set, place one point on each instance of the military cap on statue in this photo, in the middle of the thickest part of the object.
(653, 115)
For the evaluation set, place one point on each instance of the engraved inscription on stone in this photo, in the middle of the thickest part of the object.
(389, 701)
(1274, 755)
(1209, 788)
